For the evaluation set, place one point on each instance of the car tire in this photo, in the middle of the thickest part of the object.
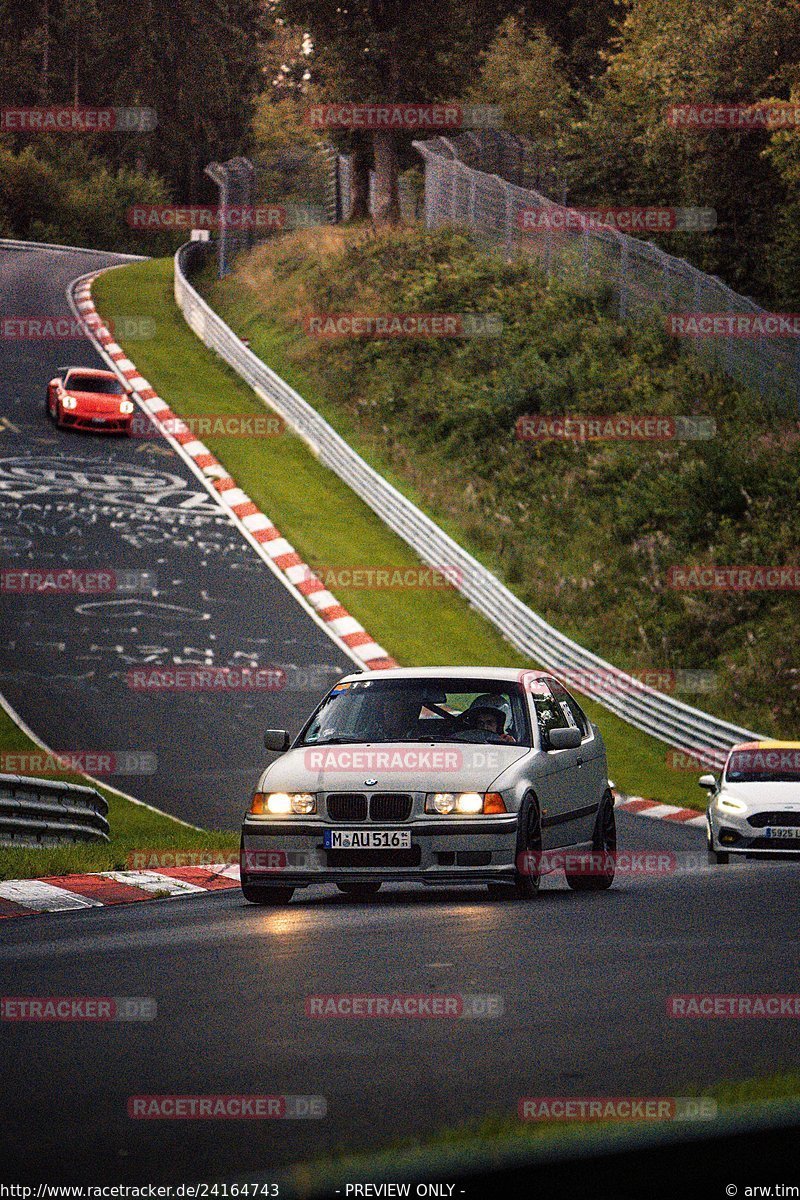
(604, 841)
(266, 895)
(359, 889)
(525, 885)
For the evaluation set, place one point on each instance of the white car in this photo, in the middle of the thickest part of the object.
(435, 775)
(755, 807)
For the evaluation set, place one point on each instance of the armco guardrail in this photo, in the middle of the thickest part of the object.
(43, 811)
(664, 717)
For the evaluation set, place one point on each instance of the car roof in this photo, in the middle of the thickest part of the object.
(95, 371)
(767, 744)
(497, 674)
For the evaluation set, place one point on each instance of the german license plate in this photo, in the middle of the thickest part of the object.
(367, 839)
(785, 833)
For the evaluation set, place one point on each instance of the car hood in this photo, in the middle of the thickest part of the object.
(405, 767)
(97, 402)
(765, 795)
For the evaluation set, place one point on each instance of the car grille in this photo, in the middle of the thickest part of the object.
(777, 845)
(384, 806)
(761, 820)
(374, 858)
(347, 806)
(389, 807)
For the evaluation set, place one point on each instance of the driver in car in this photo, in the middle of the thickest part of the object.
(487, 714)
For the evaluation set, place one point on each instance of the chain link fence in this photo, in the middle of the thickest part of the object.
(304, 182)
(496, 185)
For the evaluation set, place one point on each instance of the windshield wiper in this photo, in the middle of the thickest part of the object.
(334, 741)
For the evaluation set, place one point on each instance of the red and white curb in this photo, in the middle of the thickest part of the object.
(662, 812)
(65, 893)
(347, 630)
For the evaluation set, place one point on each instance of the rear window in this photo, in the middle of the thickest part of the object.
(91, 383)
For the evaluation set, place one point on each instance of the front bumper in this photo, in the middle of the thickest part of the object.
(92, 423)
(292, 853)
(733, 834)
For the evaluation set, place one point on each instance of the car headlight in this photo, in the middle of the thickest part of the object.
(69, 402)
(728, 804)
(126, 406)
(283, 804)
(463, 803)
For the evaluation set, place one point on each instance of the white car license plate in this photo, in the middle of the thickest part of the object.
(787, 833)
(367, 839)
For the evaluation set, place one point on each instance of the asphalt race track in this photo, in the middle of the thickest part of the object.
(583, 980)
(200, 595)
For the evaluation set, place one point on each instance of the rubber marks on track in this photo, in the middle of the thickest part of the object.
(248, 515)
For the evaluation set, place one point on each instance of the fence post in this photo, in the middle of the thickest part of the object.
(623, 279)
(509, 221)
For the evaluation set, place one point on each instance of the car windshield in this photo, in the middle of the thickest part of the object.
(94, 383)
(421, 710)
(764, 765)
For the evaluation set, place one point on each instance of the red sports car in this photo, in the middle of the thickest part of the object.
(83, 398)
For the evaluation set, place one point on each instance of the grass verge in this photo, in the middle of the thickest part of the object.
(497, 1137)
(328, 524)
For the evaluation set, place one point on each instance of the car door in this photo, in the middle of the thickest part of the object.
(556, 781)
(592, 773)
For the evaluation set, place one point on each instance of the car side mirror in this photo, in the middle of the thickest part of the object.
(707, 782)
(277, 740)
(564, 739)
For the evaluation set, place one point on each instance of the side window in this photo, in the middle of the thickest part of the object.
(572, 710)
(549, 715)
